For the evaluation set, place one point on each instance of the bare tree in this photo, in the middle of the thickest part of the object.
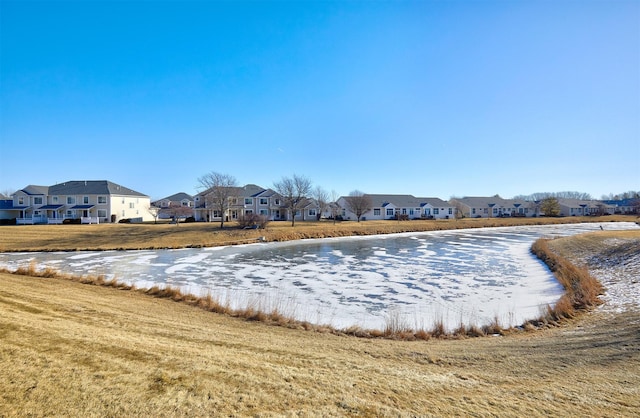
(335, 208)
(294, 191)
(358, 203)
(459, 208)
(558, 195)
(155, 212)
(178, 211)
(322, 198)
(219, 191)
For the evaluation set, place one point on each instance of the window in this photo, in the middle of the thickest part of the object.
(131, 205)
(376, 212)
(248, 212)
(264, 201)
(71, 200)
(427, 211)
(389, 212)
(450, 211)
(55, 199)
(102, 213)
(21, 200)
(473, 211)
(264, 212)
(102, 200)
(85, 200)
(312, 212)
(277, 201)
(411, 211)
(248, 201)
(436, 211)
(37, 200)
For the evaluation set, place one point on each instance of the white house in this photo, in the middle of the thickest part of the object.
(578, 207)
(392, 206)
(87, 201)
(495, 207)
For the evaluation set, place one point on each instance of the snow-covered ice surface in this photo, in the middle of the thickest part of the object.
(461, 276)
(620, 277)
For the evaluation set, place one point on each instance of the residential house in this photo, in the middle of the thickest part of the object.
(88, 201)
(578, 207)
(185, 202)
(391, 206)
(249, 199)
(495, 207)
(624, 206)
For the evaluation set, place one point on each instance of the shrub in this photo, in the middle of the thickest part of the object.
(253, 221)
(582, 290)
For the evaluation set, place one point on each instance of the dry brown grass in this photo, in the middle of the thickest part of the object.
(581, 288)
(76, 350)
(152, 236)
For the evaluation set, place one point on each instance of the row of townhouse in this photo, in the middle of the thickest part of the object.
(90, 201)
(495, 207)
(390, 206)
(104, 201)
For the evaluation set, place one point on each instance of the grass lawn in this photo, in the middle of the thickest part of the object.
(150, 236)
(72, 349)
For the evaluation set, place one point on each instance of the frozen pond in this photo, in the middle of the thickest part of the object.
(470, 276)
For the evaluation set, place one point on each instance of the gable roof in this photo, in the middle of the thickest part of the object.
(492, 201)
(433, 201)
(92, 187)
(178, 197)
(403, 201)
(35, 190)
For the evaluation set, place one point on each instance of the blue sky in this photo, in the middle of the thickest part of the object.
(431, 98)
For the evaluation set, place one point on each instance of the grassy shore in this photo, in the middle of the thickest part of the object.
(153, 236)
(76, 350)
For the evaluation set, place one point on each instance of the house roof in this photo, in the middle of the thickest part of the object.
(578, 203)
(622, 202)
(178, 197)
(6, 204)
(92, 187)
(433, 201)
(403, 201)
(251, 190)
(490, 202)
(36, 190)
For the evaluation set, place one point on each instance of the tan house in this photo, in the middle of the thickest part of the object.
(86, 201)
